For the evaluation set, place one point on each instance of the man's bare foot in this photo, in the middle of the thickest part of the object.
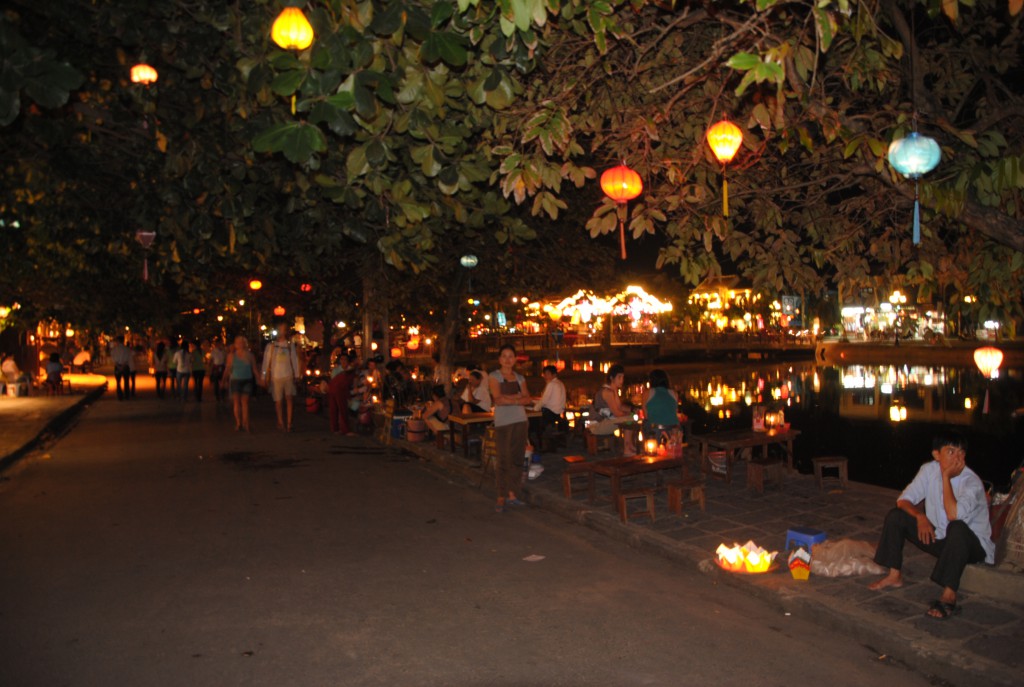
(894, 580)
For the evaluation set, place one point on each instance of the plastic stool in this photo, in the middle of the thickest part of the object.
(805, 537)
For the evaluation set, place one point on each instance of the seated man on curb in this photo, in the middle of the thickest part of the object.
(953, 525)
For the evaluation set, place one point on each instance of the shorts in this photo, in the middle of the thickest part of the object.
(242, 386)
(281, 387)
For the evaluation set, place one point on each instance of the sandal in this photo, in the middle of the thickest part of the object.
(940, 610)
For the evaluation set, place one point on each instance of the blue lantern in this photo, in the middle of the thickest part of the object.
(913, 156)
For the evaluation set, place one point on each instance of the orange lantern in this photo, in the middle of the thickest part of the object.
(622, 185)
(988, 359)
(725, 139)
(144, 74)
(255, 285)
(413, 343)
(291, 30)
(396, 352)
(279, 311)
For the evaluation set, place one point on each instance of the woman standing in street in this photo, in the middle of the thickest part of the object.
(218, 357)
(509, 396)
(161, 357)
(243, 374)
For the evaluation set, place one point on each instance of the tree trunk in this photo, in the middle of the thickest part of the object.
(448, 335)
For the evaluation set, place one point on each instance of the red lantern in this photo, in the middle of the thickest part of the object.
(144, 74)
(279, 311)
(622, 185)
(306, 288)
(725, 139)
(396, 352)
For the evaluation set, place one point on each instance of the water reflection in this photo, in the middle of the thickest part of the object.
(880, 416)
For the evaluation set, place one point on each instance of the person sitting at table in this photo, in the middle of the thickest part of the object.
(661, 407)
(476, 397)
(612, 411)
(551, 405)
(438, 408)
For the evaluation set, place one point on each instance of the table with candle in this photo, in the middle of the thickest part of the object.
(731, 441)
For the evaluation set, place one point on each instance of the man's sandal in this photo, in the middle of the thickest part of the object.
(940, 610)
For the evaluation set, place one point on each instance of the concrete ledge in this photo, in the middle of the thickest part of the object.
(54, 426)
(994, 583)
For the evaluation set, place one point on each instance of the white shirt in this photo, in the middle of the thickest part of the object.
(971, 505)
(183, 361)
(553, 397)
(480, 396)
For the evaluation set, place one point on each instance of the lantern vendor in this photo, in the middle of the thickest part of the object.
(952, 525)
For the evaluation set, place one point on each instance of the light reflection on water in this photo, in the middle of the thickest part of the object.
(849, 411)
(882, 417)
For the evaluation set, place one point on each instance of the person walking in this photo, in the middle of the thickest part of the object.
(172, 366)
(161, 358)
(281, 373)
(510, 397)
(242, 379)
(218, 360)
(121, 356)
(183, 364)
(198, 370)
(339, 390)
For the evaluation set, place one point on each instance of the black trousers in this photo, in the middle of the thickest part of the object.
(960, 547)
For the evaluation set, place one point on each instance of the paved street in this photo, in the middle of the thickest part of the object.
(154, 546)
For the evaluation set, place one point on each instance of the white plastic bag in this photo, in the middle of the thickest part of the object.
(843, 558)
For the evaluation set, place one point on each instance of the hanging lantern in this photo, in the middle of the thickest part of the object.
(144, 74)
(396, 352)
(622, 185)
(279, 311)
(914, 156)
(725, 139)
(988, 359)
(146, 239)
(291, 30)
(469, 261)
(255, 285)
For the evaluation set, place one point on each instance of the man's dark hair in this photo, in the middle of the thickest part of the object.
(550, 368)
(476, 374)
(439, 391)
(949, 437)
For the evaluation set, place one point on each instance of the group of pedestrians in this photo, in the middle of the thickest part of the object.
(187, 361)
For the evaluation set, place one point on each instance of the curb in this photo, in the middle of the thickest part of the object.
(932, 656)
(55, 425)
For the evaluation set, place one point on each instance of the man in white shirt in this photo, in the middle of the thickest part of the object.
(551, 405)
(476, 397)
(953, 524)
(281, 373)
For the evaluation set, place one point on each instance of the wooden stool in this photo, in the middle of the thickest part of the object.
(837, 463)
(624, 498)
(758, 470)
(691, 486)
(598, 442)
(576, 466)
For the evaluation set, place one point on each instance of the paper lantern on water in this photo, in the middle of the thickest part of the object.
(725, 139)
(622, 185)
(144, 74)
(914, 156)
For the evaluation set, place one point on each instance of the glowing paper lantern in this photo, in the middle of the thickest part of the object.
(988, 359)
(291, 30)
(144, 74)
(255, 285)
(725, 139)
(279, 311)
(622, 185)
(912, 157)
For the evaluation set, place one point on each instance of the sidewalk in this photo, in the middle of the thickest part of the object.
(25, 420)
(979, 646)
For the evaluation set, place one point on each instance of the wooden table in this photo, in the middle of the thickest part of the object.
(732, 441)
(617, 468)
(465, 420)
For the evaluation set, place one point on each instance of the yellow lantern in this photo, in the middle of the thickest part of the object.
(291, 30)
(725, 139)
(622, 185)
(144, 74)
(988, 359)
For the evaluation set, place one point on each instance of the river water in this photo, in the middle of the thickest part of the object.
(848, 411)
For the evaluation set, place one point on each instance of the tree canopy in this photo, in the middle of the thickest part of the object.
(422, 128)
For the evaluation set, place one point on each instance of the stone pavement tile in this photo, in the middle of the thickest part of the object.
(843, 588)
(956, 628)
(710, 542)
(688, 533)
(893, 607)
(1002, 647)
(988, 614)
(742, 535)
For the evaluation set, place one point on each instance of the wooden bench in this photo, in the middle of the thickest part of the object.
(758, 470)
(694, 490)
(837, 463)
(626, 496)
(577, 466)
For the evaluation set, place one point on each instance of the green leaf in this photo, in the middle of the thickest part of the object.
(441, 12)
(744, 61)
(286, 83)
(445, 46)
